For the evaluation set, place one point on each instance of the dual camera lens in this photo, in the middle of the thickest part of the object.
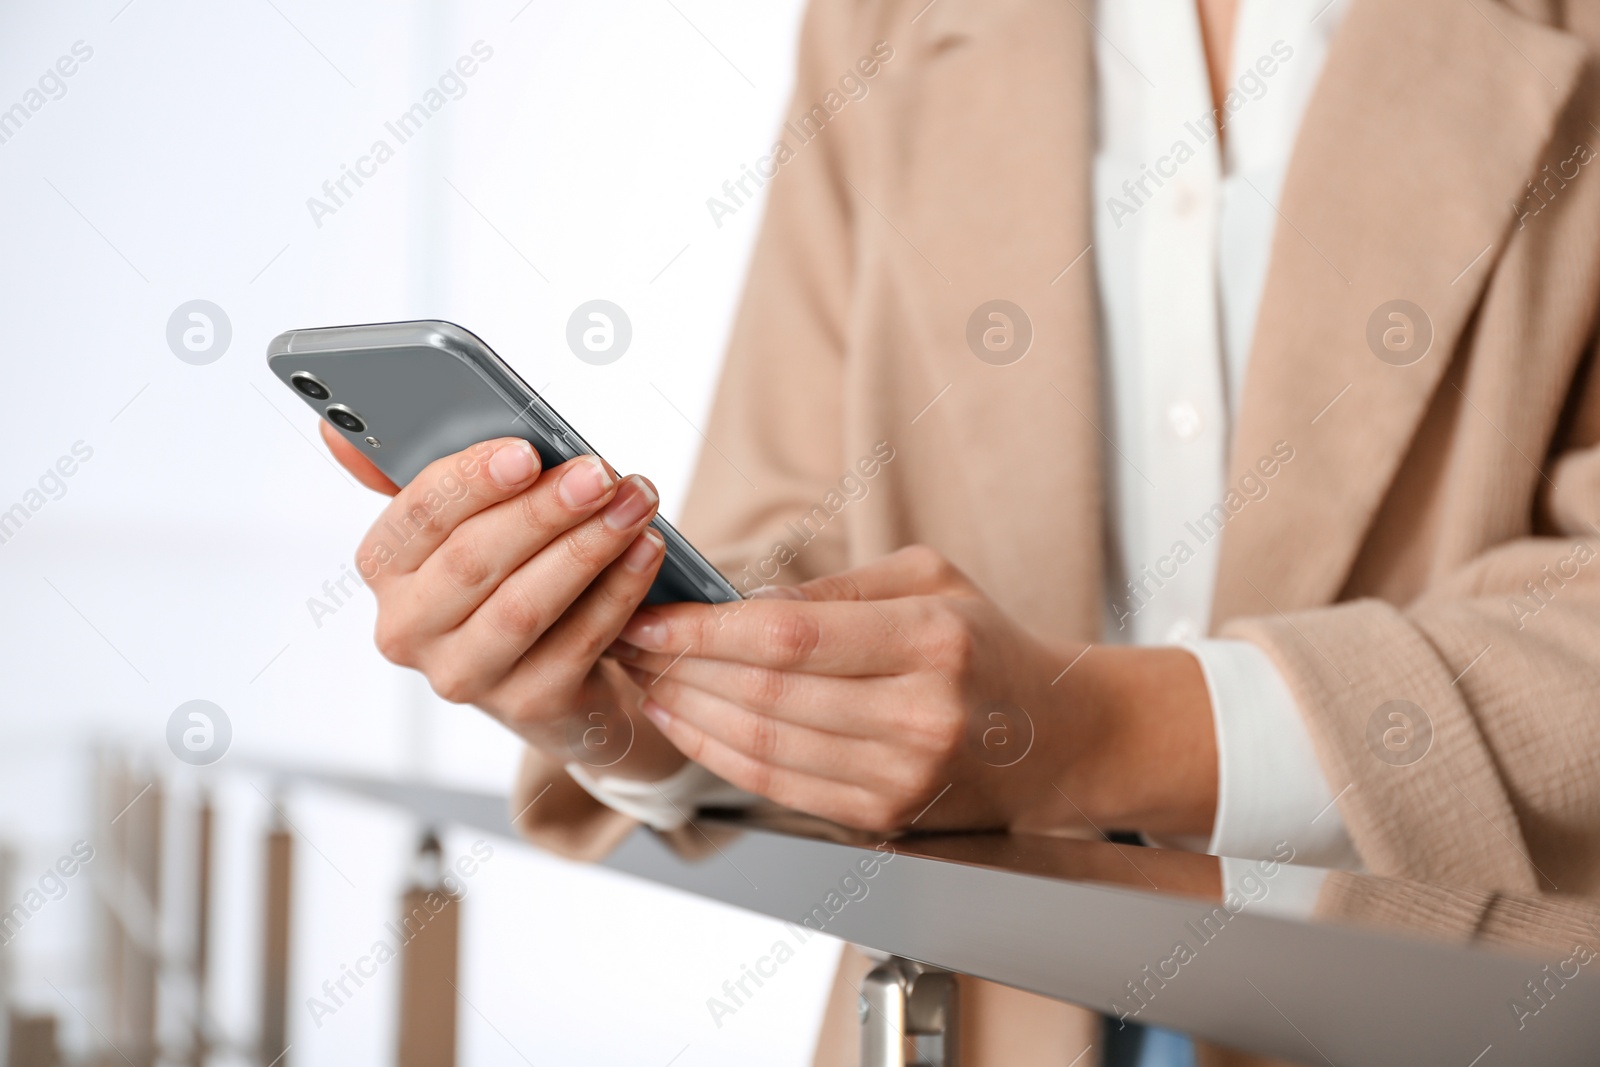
(345, 419)
(338, 414)
(310, 385)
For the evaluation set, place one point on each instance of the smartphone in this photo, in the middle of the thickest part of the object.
(409, 393)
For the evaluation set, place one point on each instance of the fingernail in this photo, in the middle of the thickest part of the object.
(646, 631)
(642, 553)
(634, 501)
(513, 464)
(586, 481)
(656, 713)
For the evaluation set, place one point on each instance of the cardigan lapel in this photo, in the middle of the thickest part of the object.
(1429, 118)
(982, 192)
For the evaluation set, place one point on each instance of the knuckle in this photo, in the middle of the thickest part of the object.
(694, 630)
(938, 733)
(531, 510)
(904, 778)
(423, 521)
(694, 749)
(790, 637)
(929, 564)
(831, 587)
(948, 639)
(463, 564)
(585, 550)
(592, 629)
(446, 485)
(879, 814)
(949, 735)
(617, 595)
(465, 472)
(906, 713)
(762, 689)
(368, 561)
(517, 616)
(757, 778)
(392, 640)
(900, 808)
(454, 686)
(758, 738)
(379, 548)
(931, 568)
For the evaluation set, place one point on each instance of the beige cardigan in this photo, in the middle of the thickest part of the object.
(1392, 559)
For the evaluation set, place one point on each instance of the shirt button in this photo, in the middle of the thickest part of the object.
(1182, 631)
(1184, 418)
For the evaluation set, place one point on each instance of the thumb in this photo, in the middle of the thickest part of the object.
(916, 570)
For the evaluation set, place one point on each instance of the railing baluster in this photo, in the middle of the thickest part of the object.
(32, 1041)
(431, 922)
(201, 964)
(275, 949)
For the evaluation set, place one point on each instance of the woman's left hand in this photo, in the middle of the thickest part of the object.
(892, 695)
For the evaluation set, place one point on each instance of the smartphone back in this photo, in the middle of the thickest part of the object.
(420, 391)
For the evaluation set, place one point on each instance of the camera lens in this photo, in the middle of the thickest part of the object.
(345, 419)
(310, 385)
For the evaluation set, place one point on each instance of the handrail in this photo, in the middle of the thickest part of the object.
(1384, 972)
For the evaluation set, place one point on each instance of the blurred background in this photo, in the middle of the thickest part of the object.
(159, 153)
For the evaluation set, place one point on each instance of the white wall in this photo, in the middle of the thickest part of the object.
(178, 560)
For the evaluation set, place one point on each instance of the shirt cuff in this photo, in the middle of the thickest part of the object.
(1271, 887)
(1270, 788)
(666, 804)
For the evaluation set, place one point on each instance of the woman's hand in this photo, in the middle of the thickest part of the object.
(898, 695)
(503, 584)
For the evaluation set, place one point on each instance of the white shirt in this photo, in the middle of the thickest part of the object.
(1182, 233)
(1181, 240)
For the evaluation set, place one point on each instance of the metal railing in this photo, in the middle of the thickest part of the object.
(1281, 961)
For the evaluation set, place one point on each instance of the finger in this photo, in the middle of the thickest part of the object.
(915, 570)
(529, 694)
(844, 803)
(768, 739)
(522, 608)
(596, 617)
(486, 548)
(860, 639)
(436, 501)
(355, 461)
(814, 701)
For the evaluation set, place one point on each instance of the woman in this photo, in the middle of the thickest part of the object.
(1273, 324)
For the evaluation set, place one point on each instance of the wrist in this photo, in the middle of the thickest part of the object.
(1147, 757)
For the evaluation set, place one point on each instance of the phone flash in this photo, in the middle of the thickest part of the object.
(374, 442)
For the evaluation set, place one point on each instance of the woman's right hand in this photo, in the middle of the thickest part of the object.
(503, 584)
